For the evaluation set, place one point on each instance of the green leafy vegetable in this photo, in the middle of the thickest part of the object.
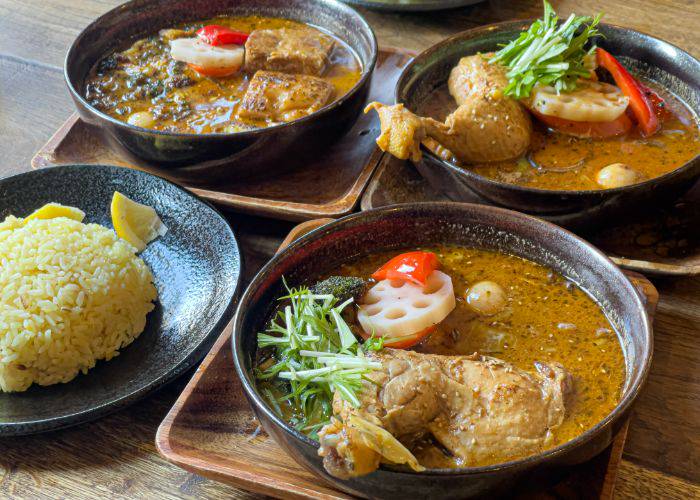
(342, 287)
(548, 54)
(316, 354)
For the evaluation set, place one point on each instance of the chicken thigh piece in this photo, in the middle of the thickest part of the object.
(480, 409)
(487, 126)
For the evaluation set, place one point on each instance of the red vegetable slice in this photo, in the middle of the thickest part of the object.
(404, 342)
(215, 34)
(412, 266)
(639, 103)
(658, 102)
(599, 130)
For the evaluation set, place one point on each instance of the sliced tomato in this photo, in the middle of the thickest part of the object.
(639, 102)
(411, 266)
(404, 342)
(215, 72)
(599, 130)
(214, 34)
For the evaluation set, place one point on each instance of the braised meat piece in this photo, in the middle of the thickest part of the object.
(279, 97)
(487, 126)
(299, 50)
(478, 408)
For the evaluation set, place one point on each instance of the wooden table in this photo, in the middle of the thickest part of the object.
(116, 457)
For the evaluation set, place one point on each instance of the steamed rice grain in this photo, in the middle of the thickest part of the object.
(70, 294)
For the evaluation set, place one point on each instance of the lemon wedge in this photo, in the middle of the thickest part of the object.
(55, 210)
(136, 223)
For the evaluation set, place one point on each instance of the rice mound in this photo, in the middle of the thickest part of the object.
(70, 294)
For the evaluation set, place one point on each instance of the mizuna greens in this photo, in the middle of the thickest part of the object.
(314, 355)
(548, 54)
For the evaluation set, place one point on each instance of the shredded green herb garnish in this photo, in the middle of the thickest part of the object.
(317, 354)
(548, 54)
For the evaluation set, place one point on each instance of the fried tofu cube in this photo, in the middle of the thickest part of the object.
(289, 50)
(279, 97)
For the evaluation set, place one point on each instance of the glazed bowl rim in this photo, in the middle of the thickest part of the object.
(630, 394)
(245, 134)
(475, 33)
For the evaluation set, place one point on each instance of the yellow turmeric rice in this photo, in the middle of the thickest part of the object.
(70, 294)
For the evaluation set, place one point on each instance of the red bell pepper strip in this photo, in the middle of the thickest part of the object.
(639, 103)
(658, 102)
(599, 130)
(215, 34)
(412, 266)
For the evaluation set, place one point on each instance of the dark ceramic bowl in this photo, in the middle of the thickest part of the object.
(411, 5)
(408, 226)
(221, 156)
(649, 57)
(196, 268)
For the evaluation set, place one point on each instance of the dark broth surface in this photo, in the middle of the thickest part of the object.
(547, 319)
(145, 78)
(571, 163)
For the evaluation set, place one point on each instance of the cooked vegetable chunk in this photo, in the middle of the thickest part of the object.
(279, 97)
(191, 78)
(341, 287)
(302, 51)
(590, 102)
(410, 266)
(486, 297)
(398, 308)
(617, 175)
(207, 59)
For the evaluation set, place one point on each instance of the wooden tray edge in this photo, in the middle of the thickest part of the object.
(251, 481)
(297, 212)
(301, 229)
(43, 157)
(656, 268)
(163, 431)
(284, 210)
(366, 199)
(607, 492)
(207, 469)
(642, 266)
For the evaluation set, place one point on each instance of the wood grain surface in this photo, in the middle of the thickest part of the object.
(116, 456)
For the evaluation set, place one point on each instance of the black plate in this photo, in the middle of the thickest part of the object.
(196, 266)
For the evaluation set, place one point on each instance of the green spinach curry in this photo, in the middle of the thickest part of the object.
(223, 75)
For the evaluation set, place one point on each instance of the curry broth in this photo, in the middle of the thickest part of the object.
(547, 319)
(570, 163)
(145, 78)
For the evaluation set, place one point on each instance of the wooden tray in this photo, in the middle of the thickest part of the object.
(212, 431)
(330, 186)
(666, 243)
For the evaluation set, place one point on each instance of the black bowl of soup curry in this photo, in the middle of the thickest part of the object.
(567, 309)
(303, 81)
(557, 177)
